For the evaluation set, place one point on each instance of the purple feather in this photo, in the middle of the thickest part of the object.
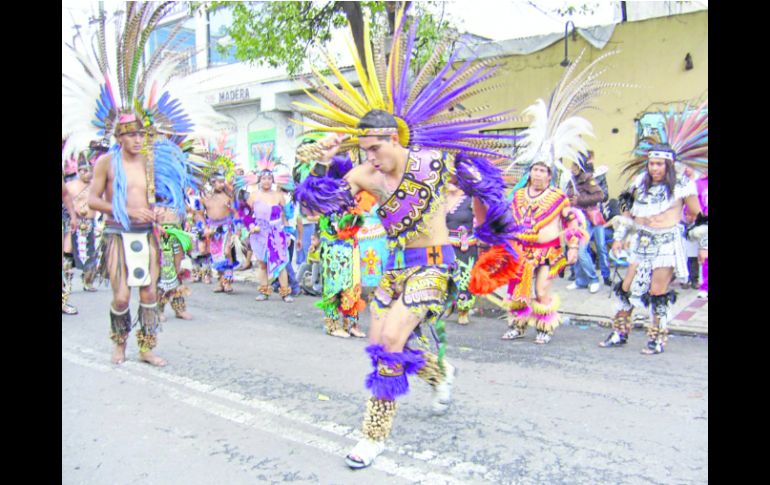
(324, 195)
(339, 166)
(439, 104)
(383, 387)
(457, 146)
(402, 89)
(245, 214)
(427, 96)
(477, 177)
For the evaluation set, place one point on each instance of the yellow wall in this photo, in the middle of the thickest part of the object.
(652, 56)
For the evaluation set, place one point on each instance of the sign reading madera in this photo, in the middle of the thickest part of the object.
(233, 95)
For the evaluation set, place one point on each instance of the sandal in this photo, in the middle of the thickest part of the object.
(543, 338)
(69, 309)
(615, 339)
(363, 454)
(512, 334)
(653, 347)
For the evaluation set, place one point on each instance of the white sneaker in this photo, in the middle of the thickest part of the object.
(572, 286)
(442, 393)
(703, 295)
(594, 287)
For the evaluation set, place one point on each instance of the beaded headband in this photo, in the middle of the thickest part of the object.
(666, 155)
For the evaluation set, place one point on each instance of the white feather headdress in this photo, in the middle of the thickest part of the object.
(556, 132)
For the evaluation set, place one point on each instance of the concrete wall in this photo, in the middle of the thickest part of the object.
(652, 56)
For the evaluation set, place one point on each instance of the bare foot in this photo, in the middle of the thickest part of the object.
(356, 332)
(162, 317)
(119, 354)
(184, 315)
(152, 359)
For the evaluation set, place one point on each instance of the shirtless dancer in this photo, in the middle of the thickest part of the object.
(127, 164)
(409, 184)
(219, 217)
(83, 242)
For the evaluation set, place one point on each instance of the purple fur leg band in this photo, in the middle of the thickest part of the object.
(389, 378)
(324, 195)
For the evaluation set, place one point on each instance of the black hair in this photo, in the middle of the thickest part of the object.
(378, 118)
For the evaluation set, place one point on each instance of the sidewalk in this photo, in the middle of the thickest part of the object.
(690, 313)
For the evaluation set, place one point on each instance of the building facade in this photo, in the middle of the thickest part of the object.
(666, 58)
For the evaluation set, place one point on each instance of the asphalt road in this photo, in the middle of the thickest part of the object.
(256, 393)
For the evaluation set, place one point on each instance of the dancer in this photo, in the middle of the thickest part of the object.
(654, 204)
(389, 122)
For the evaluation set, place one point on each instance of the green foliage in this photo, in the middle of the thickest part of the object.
(282, 33)
(429, 32)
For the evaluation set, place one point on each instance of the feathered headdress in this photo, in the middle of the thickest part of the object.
(423, 105)
(217, 158)
(120, 89)
(266, 158)
(118, 94)
(556, 132)
(687, 133)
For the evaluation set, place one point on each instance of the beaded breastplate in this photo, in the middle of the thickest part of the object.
(534, 213)
(419, 193)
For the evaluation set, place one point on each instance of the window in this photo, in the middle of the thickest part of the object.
(183, 43)
(218, 23)
(651, 123)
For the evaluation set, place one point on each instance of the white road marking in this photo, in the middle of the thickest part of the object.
(267, 424)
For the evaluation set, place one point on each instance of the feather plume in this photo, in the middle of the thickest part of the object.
(556, 131)
(686, 132)
(421, 103)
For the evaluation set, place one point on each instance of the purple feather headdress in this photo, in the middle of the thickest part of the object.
(427, 106)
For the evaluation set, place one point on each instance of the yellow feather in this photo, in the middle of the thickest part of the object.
(328, 111)
(362, 77)
(353, 92)
(350, 131)
(355, 106)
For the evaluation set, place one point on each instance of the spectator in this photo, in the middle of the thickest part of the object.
(586, 195)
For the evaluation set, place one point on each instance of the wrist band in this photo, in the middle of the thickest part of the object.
(319, 169)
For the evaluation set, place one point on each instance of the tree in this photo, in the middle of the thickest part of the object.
(282, 33)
